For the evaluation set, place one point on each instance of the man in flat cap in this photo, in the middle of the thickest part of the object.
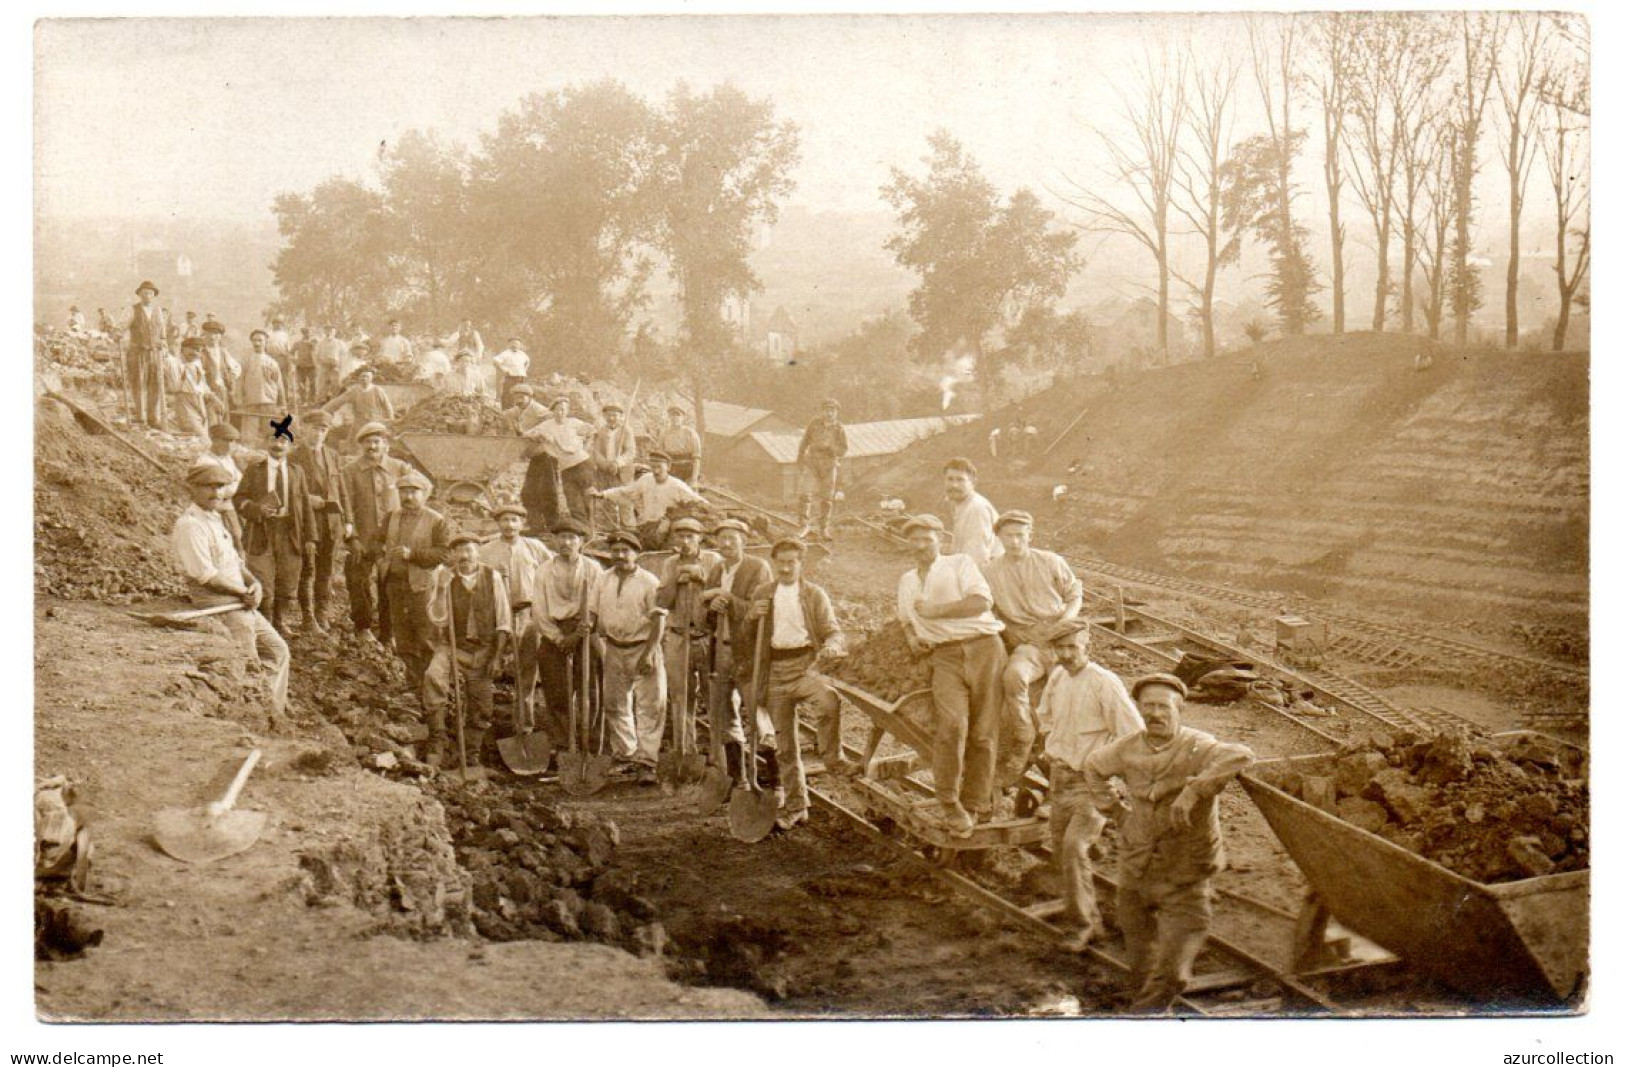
(973, 514)
(946, 610)
(518, 559)
(681, 444)
(331, 352)
(330, 502)
(566, 440)
(367, 403)
(1169, 845)
(468, 604)
(224, 451)
(394, 346)
(682, 581)
(513, 363)
(191, 401)
(279, 526)
(803, 637)
(614, 451)
(223, 367)
(216, 575)
(260, 383)
(563, 586)
(1034, 593)
(733, 585)
(652, 495)
(818, 464)
(369, 483)
(143, 358)
(1084, 707)
(413, 541)
(303, 358)
(625, 610)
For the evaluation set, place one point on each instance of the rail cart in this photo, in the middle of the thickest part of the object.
(1511, 943)
(892, 789)
(404, 396)
(463, 465)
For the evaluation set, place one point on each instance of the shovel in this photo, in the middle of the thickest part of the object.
(214, 831)
(669, 768)
(581, 773)
(525, 753)
(715, 784)
(752, 810)
(184, 619)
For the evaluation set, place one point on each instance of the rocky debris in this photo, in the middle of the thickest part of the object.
(1492, 813)
(102, 516)
(61, 930)
(398, 372)
(456, 414)
(883, 664)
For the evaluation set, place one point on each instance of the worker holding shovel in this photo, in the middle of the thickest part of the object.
(473, 622)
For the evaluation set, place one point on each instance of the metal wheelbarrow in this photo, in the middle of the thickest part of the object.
(462, 465)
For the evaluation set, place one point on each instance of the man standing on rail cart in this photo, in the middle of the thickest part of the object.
(1035, 594)
(946, 609)
(626, 611)
(1169, 843)
(1084, 707)
(803, 634)
(972, 513)
(818, 466)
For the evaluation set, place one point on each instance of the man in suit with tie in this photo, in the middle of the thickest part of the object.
(144, 358)
(279, 526)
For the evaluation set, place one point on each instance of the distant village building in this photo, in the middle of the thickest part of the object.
(736, 314)
(764, 461)
(781, 336)
(726, 426)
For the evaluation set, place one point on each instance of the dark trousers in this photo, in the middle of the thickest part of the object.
(577, 481)
(540, 494)
(683, 469)
(144, 384)
(316, 587)
(409, 626)
(362, 583)
(278, 568)
(558, 670)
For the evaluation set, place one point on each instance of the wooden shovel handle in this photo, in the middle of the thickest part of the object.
(225, 803)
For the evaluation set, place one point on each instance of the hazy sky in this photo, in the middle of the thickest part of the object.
(214, 117)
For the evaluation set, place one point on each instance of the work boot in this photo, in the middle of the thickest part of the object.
(276, 617)
(474, 742)
(957, 820)
(313, 622)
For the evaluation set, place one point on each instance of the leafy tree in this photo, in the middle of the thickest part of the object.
(1252, 200)
(425, 192)
(982, 265)
(334, 264)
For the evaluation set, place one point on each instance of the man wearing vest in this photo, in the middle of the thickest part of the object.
(330, 501)
(734, 583)
(414, 540)
(143, 358)
(279, 526)
(216, 575)
(517, 559)
(555, 637)
(369, 484)
(469, 609)
(802, 635)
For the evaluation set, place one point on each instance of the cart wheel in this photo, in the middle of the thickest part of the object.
(464, 492)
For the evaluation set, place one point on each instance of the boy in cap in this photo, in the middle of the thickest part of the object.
(279, 526)
(946, 609)
(214, 570)
(413, 541)
(733, 585)
(468, 604)
(559, 586)
(143, 358)
(803, 635)
(681, 445)
(614, 451)
(330, 502)
(625, 610)
(518, 559)
(367, 403)
(1169, 844)
(369, 486)
(1084, 707)
(1035, 593)
(818, 465)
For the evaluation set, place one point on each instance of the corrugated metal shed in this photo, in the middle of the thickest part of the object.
(864, 439)
(723, 419)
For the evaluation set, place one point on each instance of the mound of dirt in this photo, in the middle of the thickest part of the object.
(102, 516)
(1492, 814)
(883, 664)
(456, 414)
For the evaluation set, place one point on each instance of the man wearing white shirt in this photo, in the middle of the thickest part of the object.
(568, 441)
(518, 559)
(559, 588)
(434, 366)
(946, 608)
(1084, 707)
(514, 363)
(394, 346)
(973, 515)
(653, 495)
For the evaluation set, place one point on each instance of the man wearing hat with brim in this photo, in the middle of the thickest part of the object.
(614, 452)
(143, 358)
(687, 569)
(681, 444)
(369, 483)
(279, 525)
(513, 363)
(803, 636)
(626, 612)
(735, 583)
(567, 440)
(468, 602)
(330, 501)
(946, 610)
(1034, 593)
(518, 559)
(1084, 707)
(260, 384)
(214, 570)
(1169, 845)
(365, 401)
(413, 541)
(560, 586)
(652, 495)
(818, 465)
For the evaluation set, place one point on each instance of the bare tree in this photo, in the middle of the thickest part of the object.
(1199, 178)
(1438, 170)
(1481, 36)
(1330, 75)
(1517, 82)
(1566, 143)
(1144, 163)
(1418, 62)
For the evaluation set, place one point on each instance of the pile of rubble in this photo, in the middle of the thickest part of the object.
(456, 414)
(1489, 813)
(883, 664)
(393, 373)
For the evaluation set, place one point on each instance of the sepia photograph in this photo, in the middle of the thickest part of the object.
(908, 516)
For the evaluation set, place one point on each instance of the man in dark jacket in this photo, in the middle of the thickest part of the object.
(330, 500)
(734, 583)
(369, 485)
(144, 358)
(279, 527)
(818, 466)
(413, 540)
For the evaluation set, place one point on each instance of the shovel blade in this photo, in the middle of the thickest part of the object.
(194, 836)
(751, 815)
(714, 790)
(526, 754)
(669, 772)
(573, 774)
(693, 767)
